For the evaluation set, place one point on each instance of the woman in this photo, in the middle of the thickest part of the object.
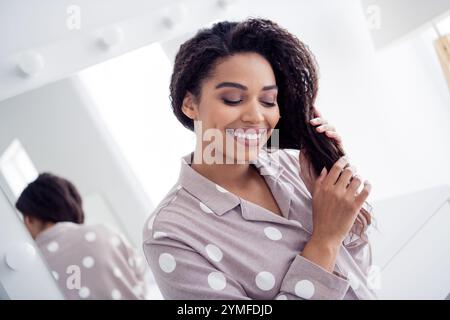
(88, 262)
(246, 221)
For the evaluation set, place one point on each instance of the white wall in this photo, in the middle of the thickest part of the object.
(46, 27)
(398, 19)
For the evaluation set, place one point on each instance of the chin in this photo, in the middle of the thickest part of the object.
(246, 156)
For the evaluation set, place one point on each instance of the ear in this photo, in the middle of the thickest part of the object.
(27, 220)
(189, 106)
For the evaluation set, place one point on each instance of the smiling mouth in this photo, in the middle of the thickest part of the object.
(248, 136)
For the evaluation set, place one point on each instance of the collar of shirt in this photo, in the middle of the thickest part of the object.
(219, 200)
(53, 231)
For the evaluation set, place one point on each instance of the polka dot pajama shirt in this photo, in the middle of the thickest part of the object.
(203, 242)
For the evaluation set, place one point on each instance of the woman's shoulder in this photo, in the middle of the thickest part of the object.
(173, 214)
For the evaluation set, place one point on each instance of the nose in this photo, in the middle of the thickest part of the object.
(253, 113)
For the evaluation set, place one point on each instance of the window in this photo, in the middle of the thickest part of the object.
(16, 168)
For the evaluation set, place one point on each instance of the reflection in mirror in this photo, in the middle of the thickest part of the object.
(92, 261)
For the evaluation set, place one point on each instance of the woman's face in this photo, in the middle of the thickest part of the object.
(238, 107)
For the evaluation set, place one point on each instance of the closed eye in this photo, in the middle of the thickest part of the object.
(236, 102)
(232, 102)
(270, 104)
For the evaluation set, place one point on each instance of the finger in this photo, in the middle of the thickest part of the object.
(344, 178)
(317, 113)
(354, 185)
(362, 196)
(325, 127)
(317, 121)
(335, 171)
(334, 135)
(320, 179)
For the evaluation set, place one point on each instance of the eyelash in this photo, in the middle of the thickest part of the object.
(235, 103)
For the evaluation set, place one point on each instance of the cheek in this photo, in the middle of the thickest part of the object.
(273, 116)
(219, 116)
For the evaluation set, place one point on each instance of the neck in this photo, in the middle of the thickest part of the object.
(44, 226)
(226, 175)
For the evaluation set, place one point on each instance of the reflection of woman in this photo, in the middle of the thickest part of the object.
(273, 227)
(88, 262)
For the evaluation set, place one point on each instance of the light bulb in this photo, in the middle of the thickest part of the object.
(31, 63)
(112, 36)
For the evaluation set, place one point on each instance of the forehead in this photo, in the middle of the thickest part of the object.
(250, 69)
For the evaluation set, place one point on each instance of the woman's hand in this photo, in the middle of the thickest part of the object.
(336, 203)
(325, 127)
(306, 170)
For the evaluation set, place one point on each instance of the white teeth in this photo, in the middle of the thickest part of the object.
(249, 136)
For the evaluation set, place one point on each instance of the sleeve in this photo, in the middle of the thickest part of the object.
(307, 280)
(358, 245)
(183, 273)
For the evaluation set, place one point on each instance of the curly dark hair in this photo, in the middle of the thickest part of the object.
(296, 74)
(51, 199)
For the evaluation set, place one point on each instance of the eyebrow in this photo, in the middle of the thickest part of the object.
(242, 87)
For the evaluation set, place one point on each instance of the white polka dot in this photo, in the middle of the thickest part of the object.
(117, 272)
(53, 246)
(88, 262)
(304, 289)
(214, 252)
(205, 208)
(150, 223)
(90, 236)
(159, 235)
(167, 262)
(116, 295)
(84, 292)
(115, 241)
(265, 280)
(273, 233)
(219, 188)
(353, 279)
(55, 275)
(217, 280)
(281, 297)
